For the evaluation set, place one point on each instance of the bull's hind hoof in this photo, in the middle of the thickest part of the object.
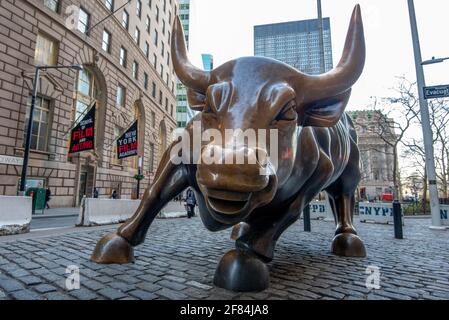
(348, 245)
(241, 271)
(113, 249)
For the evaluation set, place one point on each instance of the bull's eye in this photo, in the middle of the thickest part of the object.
(288, 112)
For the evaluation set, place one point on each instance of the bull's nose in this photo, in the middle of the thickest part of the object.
(238, 169)
(241, 155)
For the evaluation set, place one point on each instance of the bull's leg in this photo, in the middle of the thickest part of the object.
(244, 268)
(341, 196)
(117, 247)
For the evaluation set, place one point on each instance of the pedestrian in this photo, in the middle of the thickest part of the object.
(47, 198)
(114, 194)
(95, 193)
(190, 203)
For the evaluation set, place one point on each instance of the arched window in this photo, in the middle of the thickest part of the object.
(86, 93)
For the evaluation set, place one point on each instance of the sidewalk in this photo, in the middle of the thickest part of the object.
(57, 213)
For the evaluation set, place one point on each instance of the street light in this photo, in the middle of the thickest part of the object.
(30, 120)
(425, 121)
(434, 60)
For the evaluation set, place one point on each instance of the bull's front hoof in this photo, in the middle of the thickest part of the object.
(241, 271)
(348, 245)
(113, 249)
(239, 230)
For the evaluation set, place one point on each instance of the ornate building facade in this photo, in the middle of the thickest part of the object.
(127, 72)
(376, 153)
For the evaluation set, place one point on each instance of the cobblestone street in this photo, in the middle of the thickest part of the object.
(179, 257)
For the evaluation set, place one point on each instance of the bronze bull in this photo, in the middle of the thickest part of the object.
(317, 149)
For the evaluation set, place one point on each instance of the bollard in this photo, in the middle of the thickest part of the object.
(306, 213)
(397, 218)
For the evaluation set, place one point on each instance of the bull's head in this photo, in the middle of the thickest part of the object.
(259, 93)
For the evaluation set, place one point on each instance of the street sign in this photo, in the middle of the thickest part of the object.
(436, 92)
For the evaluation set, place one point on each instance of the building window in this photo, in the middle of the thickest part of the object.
(85, 93)
(171, 110)
(156, 36)
(153, 119)
(123, 56)
(154, 60)
(165, 5)
(169, 37)
(117, 132)
(83, 21)
(162, 70)
(121, 95)
(109, 4)
(139, 8)
(145, 80)
(46, 52)
(135, 70)
(151, 158)
(147, 50)
(153, 91)
(162, 49)
(148, 24)
(157, 13)
(137, 35)
(168, 59)
(163, 27)
(166, 78)
(106, 41)
(169, 17)
(149, 3)
(41, 116)
(166, 104)
(160, 97)
(53, 5)
(125, 19)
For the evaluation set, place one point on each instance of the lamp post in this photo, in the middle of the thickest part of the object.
(30, 120)
(425, 122)
(321, 37)
(139, 172)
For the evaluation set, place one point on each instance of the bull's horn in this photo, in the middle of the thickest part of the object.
(349, 69)
(189, 75)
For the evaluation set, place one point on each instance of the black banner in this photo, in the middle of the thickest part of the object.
(82, 136)
(127, 143)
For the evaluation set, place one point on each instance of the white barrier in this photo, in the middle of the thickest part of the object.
(95, 212)
(444, 211)
(376, 212)
(320, 210)
(15, 215)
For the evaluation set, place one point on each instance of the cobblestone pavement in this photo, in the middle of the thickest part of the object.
(179, 257)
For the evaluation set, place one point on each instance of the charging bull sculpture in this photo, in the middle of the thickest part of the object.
(317, 148)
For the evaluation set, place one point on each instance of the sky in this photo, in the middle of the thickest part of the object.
(224, 28)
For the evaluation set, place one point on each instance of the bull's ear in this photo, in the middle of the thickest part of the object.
(326, 112)
(197, 100)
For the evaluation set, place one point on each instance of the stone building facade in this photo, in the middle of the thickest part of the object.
(376, 155)
(127, 72)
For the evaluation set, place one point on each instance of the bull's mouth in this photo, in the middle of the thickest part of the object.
(230, 207)
(228, 202)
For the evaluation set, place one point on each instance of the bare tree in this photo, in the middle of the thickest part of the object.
(394, 117)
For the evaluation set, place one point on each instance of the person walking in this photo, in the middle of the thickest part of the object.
(190, 203)
(114, 194)
(47, 198)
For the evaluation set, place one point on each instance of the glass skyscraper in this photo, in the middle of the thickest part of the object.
(183, 113)
(295, 43)
(208, 61)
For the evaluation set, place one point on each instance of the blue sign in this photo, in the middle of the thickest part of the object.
(436, 92)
